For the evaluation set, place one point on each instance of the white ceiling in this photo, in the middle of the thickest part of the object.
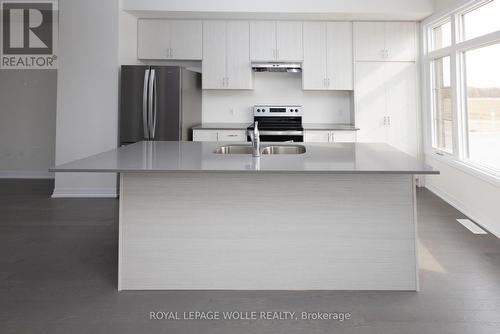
(283, 9)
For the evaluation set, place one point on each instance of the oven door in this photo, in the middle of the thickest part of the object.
(280, 136)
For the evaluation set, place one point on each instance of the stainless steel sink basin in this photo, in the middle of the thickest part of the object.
(285, 149)
(234, 149)
(267, 150)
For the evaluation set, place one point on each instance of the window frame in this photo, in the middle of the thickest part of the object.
(456, 51)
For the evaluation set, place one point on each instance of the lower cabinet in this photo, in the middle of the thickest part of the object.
(219, 135)
(328, 136)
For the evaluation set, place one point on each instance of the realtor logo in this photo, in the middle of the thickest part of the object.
(28, 35)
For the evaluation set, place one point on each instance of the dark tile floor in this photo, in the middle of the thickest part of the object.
(58, 268)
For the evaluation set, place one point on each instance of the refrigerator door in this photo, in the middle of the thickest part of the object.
(134, 86)
(166, 117)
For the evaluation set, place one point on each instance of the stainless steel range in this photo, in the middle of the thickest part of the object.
(278, 123)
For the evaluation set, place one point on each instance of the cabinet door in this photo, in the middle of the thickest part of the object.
(186, 39)
(153, 39)
(204, 135)
(344, 136)
(339, 55)
(402, 120)
(239, 73)
(370, 101)
(400, 41)
(314, 66)
(214, 55)
(289, 41)
(263, 40)
(369, 41)
(317, 136)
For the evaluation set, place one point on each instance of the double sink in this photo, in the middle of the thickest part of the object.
(267, 150)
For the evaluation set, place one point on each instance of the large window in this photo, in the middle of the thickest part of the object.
(483, 105)
(442, 111)
(463, 59)
(482, 20)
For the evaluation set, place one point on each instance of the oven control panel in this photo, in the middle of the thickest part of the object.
(285, 110)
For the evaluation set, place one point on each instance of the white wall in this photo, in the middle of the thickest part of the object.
(27, 123)
(388, 9)
(87, 102)
(277, 88)
(470, 194)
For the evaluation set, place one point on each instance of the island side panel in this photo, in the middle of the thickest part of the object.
(267, 231)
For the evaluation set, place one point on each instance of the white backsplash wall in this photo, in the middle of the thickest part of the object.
(235, 106)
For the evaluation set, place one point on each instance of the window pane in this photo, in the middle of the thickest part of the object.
(483, 105)
(442, 112)
(482, 20)
(441, 36)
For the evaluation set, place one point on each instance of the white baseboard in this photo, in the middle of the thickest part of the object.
(485, 222)
(16, 174)
(85, 193)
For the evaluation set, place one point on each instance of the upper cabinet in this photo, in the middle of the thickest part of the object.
(169, 39)
(328, 60)
(226, 55)
(276, 41)
(385, 41)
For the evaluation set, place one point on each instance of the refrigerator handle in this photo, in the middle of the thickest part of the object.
(151, 104)
(153, 130)
(145, 104)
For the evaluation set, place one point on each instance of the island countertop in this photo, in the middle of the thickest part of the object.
(176, 156)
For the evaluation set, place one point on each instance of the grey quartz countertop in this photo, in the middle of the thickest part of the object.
(222, 126)
(174, 156)
(329, 126)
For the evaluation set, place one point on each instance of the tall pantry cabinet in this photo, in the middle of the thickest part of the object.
(385, 84)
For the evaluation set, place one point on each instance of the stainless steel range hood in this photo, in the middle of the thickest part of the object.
(277, 67)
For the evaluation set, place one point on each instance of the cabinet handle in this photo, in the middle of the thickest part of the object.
(232, 135)
(227, 82)
(171, 53)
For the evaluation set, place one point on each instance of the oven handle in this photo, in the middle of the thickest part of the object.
(281, 133)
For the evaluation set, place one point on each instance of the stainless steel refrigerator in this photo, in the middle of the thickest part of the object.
(158, 103)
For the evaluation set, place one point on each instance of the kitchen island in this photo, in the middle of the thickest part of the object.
(332, 217)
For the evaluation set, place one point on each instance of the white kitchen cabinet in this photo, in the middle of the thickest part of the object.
(219, 135)
(328, 62)
(226, 55)
(232, 135)
(314, 67)
(385, 41)
(339, 65)
(276, 41)
(317, 136)
(386, 104)
(263, 40)
(344, 136)
(204, 135)
(169, 39)
(289, 41)
(329, 136)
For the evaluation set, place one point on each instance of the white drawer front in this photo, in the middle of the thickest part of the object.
(344, 136)
(232, 135)
(204, 135)
(317, 136)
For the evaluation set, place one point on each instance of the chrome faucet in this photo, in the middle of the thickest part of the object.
(255, 137)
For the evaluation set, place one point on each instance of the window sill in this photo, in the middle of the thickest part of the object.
(471, 169)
